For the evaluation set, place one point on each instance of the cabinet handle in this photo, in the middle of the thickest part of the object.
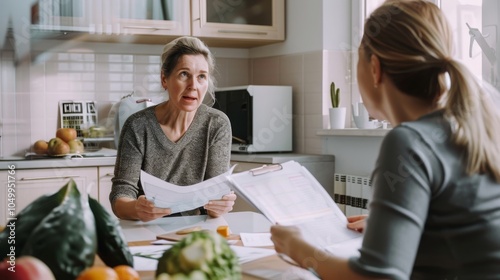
(109, 175)
(242, 32)
(49, 178)
(146, 27)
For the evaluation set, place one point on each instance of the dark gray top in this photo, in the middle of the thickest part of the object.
(203, 151)
(428, 218)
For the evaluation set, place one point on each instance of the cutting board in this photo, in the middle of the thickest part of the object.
(173, 236)
(210, 224)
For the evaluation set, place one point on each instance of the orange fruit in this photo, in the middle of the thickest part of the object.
(224, 231)
(126, 272)
(98, 273)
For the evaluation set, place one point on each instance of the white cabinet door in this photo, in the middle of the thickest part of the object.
(124, 17)
(105, 175)
(30, 184)
(139, 17)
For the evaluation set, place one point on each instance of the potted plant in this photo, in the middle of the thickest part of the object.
(337, 113)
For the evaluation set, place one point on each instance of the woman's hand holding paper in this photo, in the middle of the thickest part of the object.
(357, 223)
(146, 210)
(219, 207)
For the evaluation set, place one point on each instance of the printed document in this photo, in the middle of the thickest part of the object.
(290, 195)
(183, 198)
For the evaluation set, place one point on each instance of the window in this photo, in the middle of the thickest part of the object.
(475, 26)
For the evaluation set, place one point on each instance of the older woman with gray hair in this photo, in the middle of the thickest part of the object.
(181, 140)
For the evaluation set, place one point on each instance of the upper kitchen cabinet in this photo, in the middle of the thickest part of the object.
(65, 15)
(112, 20)
(220, 23)
(238, 22)
(149, 17)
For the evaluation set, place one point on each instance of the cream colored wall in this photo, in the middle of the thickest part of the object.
(30, 93)
(303, 73)
(309, 74)
(104, 76)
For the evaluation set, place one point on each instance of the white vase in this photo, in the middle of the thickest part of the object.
(361, 116)
(337, 117)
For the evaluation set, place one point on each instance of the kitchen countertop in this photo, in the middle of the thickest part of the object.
(280, 158)
(266, 158)
(22, 163)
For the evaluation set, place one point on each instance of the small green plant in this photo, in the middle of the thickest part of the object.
(334, 95)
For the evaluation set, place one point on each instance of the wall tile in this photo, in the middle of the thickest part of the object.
(291, 72)
(314, 145)
(148, 59)
(221, 73)
(106, 78)
(298, 133)
(237, 72)
(265, 71)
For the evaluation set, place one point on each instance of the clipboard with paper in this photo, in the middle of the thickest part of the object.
(288, 194)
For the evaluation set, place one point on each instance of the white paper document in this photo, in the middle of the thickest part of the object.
(146, 257)
(260, 239)
(183, 198)
(290, 195)
(291, 273)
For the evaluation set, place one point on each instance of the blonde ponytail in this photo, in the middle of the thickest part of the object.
(475, 120)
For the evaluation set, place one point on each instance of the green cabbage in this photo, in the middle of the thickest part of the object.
(200, 255)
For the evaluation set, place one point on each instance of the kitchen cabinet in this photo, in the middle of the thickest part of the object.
(29, 184)
(105, 174)
(61, 15)
(124, 17)
(139, 17)
(238, 20)
(220, 23)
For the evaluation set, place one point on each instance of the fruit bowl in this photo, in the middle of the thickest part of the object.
(46, 156)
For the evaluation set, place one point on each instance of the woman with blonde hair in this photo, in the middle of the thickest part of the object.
(435, 211)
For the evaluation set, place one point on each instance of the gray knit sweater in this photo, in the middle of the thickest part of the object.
(202, 153)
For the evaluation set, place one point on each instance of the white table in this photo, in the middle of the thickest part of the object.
(238, 222)
(137, 232)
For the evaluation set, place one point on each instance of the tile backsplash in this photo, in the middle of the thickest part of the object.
(105, 77)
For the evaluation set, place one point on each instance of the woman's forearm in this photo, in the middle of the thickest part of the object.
(124, 208)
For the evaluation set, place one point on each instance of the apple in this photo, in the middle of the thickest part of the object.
(25, 268)
(76, 146)
(66, 134)
(41, 147)
(58, 147)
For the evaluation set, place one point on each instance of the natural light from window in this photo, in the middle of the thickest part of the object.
(459, 14)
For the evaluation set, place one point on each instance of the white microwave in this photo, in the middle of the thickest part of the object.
(261, 117)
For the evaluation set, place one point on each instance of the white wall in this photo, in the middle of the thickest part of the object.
(312, 25)
(354, 155)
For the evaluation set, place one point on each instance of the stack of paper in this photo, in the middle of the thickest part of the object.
(290, 195)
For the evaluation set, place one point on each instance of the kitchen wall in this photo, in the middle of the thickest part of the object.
(317, 51)
(102, 72)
